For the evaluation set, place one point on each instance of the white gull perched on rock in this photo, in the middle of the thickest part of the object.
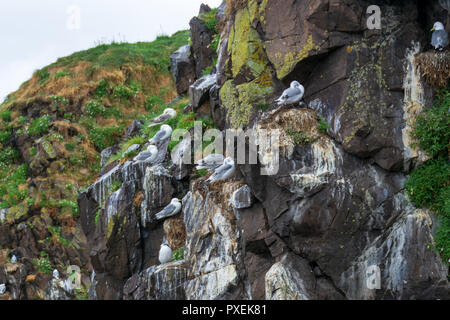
(292, 95)
(172, 209)
(55, 274)
(168, 114)
(164, 133)
(210, 162)
(2, 288)
(439, 39)
(13, 259)
(223, 172)
(165, 253)
(148, 155)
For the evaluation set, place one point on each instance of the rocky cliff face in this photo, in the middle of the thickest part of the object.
(337, 207)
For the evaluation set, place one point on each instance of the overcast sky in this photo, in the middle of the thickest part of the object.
(34, 33)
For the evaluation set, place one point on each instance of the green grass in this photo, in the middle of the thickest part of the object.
(178, 254)
(210, 20)
(6, 115)
(300, 138)
(10, 179)
(104, 137)
(323, 125)
(72, 205)
(114, 55)
(431, 128)
(40, 125)
(428, 186)
(94, 108)
(62, 74)
(43, 263)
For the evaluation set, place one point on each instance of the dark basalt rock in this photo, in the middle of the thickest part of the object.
(201, 38)
(183, 68)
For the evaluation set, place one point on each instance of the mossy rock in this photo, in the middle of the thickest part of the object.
(240, 100)
(16, 213)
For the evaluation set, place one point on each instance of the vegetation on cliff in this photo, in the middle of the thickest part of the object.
(53, 128)
(428, 185)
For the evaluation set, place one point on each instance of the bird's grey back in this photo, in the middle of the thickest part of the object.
(439, 37)
(291, 92)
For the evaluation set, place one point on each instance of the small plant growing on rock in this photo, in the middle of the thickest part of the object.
(323, 125)
(43, 263)
(300, 138)
(95, 108)
(39, 125)
(178, 254)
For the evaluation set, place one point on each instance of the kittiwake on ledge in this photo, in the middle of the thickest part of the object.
(223, 172)
(439, 39)
(172, 209)
(168, 114)
(165, 253)
(2, 289)
(148, 155)
(164, 133)
(210, 162)
(292, 95)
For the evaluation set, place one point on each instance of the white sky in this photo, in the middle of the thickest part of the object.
(34, 33)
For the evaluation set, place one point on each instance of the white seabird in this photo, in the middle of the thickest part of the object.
(439, 39)
(210, 162)
(55, 274)
(148, 155)
(164, 133)
(2, 288)
(172, 209)
(223, 172)
(13, 259)
(292, 95)
(168, 114)
(165, 253)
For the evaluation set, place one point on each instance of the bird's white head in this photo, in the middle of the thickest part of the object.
(438, 26)
(176, 200)
(295, 84)
(152, 149)
(166, 128)
(170, 112)
(228, 161)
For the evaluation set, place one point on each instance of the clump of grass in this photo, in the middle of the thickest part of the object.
(104, 137)
(62, 74)
(431, 128)
(323, 125)
(40, 125)
(153, 102)
(178, 254)
(43, 76)
(11, 177)
(207, 71)
(72, 205)
(95, 108)
(210, 20)
(6, 115)
(300, 138)
(59, 100)
(43, 263)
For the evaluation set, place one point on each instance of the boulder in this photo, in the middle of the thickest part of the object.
(199, 91)
(201, 38)
(183, 68)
